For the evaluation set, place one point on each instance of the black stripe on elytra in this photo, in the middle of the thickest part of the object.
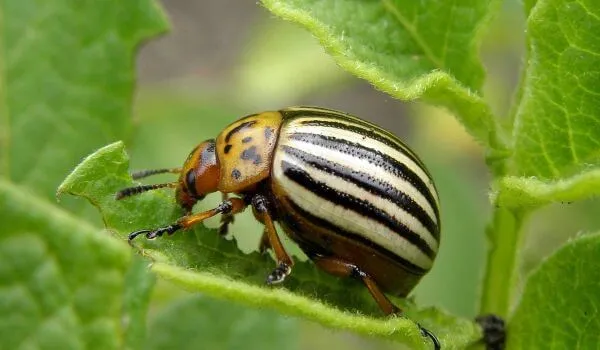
(359, 206)
(374, 157)
(338, 231)
(238, 128)
(366, 130)
(308, 112)
(312, 112)
(370, 183)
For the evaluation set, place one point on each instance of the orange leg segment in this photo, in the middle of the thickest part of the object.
(340, 268)
(264, 244)
(284, 261)
(230, 206)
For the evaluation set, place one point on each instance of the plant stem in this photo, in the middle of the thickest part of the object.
(501, 273)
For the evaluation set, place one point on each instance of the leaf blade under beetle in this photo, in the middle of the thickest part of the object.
(408, 49)
(203, 261)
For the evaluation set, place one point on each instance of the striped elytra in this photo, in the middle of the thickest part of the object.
(346, 187)
(356, 200)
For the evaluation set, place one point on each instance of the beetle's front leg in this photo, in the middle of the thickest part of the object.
(230, 206)
(284, 261)
(226, 219)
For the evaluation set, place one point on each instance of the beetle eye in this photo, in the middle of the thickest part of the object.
(190, 182)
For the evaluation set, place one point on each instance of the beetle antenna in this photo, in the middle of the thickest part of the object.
(132, 191)
(145, 173)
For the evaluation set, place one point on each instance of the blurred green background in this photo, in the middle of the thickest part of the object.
(225, 59)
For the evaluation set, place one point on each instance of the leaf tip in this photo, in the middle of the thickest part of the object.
(71, 179)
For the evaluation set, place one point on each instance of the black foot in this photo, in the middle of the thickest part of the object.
(494, 331)
(426, 333)
(151, 234)
(279, 274)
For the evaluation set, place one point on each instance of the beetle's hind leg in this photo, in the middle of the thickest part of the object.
(270, 239)
(340, 268)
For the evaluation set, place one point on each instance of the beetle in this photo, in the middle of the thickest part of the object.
(356, 199)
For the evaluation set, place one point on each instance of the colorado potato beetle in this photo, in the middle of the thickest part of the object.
(354, 197)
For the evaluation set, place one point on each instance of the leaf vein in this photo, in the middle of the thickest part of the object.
(414, 33)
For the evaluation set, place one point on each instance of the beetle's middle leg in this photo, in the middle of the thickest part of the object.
(264, 244)
(284, 261)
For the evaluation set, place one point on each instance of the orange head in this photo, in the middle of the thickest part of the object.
(198, 177)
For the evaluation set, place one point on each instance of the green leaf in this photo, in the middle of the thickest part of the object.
(560, 303)
(196, 321)
(203, 261)
(528, 5)
(136, 298)
(556, 133)
(557, 126)
(66, 83)
(533, 192)
(62, 282)
(66, 88)
(408, 49)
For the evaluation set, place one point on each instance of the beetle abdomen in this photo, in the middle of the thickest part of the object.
(358, 182)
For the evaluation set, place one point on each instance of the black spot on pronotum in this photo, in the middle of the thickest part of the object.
(251, 154)
(247, 139)
(237, 129)
(236, 174)
(268, 133)
(227, 149)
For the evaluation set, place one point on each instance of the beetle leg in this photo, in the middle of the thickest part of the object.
(340, 268)
(229, 206)
(226, 219)
(284, 261)
(264, 244)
